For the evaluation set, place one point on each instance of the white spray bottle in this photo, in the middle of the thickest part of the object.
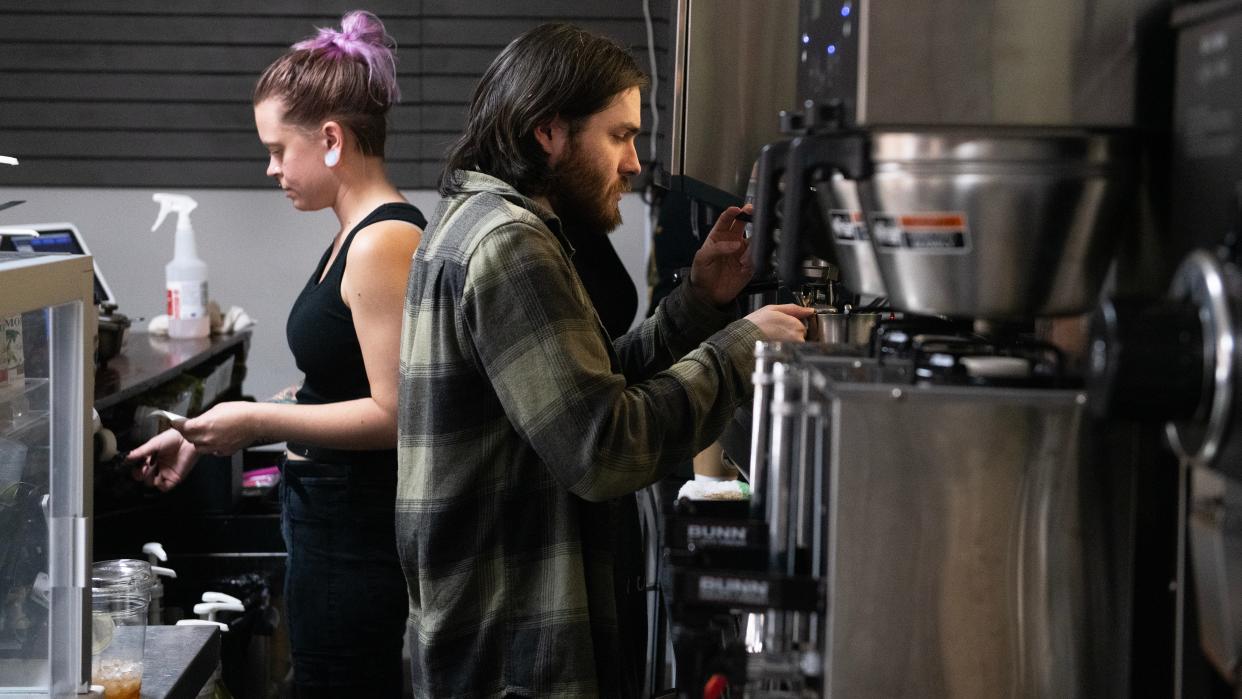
(185, 278)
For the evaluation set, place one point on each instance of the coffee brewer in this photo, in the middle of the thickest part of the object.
(934, 511)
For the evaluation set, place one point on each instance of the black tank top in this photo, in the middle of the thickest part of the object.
(320, 329)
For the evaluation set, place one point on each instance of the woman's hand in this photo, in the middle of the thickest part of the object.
(167, 458)
(224, 429)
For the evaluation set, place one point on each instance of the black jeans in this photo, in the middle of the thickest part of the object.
(344, 589)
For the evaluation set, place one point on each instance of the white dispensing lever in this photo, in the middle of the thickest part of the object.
(217, 602)
(7, 160)
(210, 608)
(210, 596)
(213, 602)
(155, 552)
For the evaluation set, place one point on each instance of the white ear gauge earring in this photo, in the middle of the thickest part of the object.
(332, 157)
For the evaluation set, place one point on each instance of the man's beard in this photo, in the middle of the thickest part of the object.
(583, 198)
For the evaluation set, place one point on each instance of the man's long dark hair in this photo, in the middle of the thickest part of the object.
(552, 70)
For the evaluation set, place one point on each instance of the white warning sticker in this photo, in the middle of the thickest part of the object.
(931, 232)
(186, 300)
(847, 226)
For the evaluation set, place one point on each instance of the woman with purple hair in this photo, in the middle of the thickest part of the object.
(321, 111)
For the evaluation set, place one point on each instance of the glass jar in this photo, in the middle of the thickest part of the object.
(118, 640)
(123, 574)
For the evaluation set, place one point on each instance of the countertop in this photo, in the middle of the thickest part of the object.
(178, 660)
(149, 360)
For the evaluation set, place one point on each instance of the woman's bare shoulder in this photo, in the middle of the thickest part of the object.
(379, 242)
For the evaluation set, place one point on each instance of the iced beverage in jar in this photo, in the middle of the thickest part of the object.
(118, 634)
(120, 679)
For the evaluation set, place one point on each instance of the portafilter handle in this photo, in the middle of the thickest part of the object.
(845, 151)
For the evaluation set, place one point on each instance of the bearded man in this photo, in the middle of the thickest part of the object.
(522, 423)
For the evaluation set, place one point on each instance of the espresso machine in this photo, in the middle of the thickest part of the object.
(935, 510)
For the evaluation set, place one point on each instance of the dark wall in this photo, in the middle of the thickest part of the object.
(152, 93)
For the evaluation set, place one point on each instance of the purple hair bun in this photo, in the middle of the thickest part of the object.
(361, 37)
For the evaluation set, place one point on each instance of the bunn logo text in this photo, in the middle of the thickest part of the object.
(738, 590)
(717, 534)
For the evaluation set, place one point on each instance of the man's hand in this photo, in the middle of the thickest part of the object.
(222, 430)
(783, 322)
(167, 459)
(722, 266)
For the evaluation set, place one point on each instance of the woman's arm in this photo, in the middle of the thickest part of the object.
(373, 286)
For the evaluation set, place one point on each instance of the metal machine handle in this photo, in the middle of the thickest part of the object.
(847, 152)
(771, 167)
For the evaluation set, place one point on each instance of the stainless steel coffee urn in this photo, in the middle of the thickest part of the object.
(935, 513)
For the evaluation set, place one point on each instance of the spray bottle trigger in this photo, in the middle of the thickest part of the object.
(160, 219)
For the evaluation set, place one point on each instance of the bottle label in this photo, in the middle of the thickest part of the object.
(187, 300)
(12, 356)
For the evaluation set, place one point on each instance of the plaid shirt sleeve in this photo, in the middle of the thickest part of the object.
(541, 347)
(680, 323)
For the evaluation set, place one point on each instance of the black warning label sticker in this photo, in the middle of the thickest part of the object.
(847, 226)
(934, 232)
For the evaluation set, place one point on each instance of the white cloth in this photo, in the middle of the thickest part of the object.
(715, 490)
(233, 320)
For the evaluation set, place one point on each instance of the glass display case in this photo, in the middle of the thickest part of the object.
(46, 330)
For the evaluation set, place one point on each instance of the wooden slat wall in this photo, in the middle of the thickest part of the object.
(150, 93)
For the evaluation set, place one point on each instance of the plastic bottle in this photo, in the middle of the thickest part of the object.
(185, 277)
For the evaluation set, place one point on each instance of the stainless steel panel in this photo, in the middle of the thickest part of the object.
(980, 62)
(1216, 555)
(960, 560)
(851, 240)
(781, 493)
(72, 478)
(735, 70)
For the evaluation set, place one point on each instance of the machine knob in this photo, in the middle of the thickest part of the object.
(824, 116)
(792, 122)
(1147, 360)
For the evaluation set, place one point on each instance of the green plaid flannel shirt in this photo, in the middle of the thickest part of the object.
(521, 423)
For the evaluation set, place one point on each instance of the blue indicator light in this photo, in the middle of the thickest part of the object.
(832, 48)
(845, 10)
(806, 38)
